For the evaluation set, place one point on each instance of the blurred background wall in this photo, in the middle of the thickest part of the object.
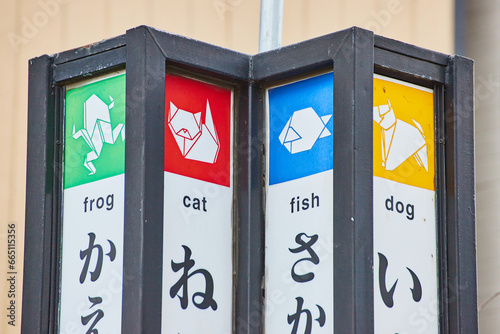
(30, 28)
(481, 41)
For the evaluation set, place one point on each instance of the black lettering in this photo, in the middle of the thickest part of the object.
(101, 201)
(314, 198)
(187, 205)
(296, 204)
(88, 203)
(196, 203)
(400, 207)
(409, 211)
(305, 204)
(109, 202)
(389, 204)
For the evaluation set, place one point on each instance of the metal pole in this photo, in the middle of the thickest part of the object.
(271, 24)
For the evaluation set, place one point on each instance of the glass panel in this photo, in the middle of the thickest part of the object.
(93, 199)
(198, 200)
(299, 207)
(404, 208)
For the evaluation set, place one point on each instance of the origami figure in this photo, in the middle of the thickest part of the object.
(196, 140)
(303, 129)
(97, 129)
(400, 140)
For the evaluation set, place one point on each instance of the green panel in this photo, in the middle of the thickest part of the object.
(94, 146)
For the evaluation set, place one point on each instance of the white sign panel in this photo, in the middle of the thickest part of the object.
(299, 207)
(404, 209)
(197, 291)
(93, 199)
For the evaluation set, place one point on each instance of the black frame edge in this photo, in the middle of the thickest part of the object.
(141, 312)
(298, 58)
(106, 61)
(184, 51)
(462, 280)
(353, 184)
(89, 50)
(37, 281)
(250, 213)
(410, 50)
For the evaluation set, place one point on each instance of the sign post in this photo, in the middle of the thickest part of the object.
(198, 231)
(322, 187)
(299, 205)
(93, 196)
(404, 208)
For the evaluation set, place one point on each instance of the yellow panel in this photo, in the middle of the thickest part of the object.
(403, 136)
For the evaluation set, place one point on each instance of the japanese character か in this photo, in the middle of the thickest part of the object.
(87, 254)
(295, 318)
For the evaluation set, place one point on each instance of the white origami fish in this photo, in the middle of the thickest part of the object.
(196, 140)
(303, 129)
(97, 129)
(400, 140)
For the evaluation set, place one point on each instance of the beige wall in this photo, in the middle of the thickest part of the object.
(484, 47)
(29, 28)
(428, 24)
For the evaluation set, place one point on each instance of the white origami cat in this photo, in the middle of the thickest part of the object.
(196, 140)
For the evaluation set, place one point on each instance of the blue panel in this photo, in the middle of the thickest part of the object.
(301, 128)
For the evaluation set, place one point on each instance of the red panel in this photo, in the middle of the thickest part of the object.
(193, 147)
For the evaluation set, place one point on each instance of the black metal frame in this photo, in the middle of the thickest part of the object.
(48, 75)
(451, 77)
(146, 69)
(350, 53)
(355, 55)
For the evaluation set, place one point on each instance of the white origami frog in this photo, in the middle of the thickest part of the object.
(97, 129)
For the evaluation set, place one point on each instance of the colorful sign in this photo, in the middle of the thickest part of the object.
(198, 130)
(198, 199)
(300, 124)
(299, 207)
(404, 202)
(93, 204)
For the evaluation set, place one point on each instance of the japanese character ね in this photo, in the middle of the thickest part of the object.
(207, 296)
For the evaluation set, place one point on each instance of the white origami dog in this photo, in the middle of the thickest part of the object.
(97, 129)
(196, 140)
(303, 129)
(400, 140)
